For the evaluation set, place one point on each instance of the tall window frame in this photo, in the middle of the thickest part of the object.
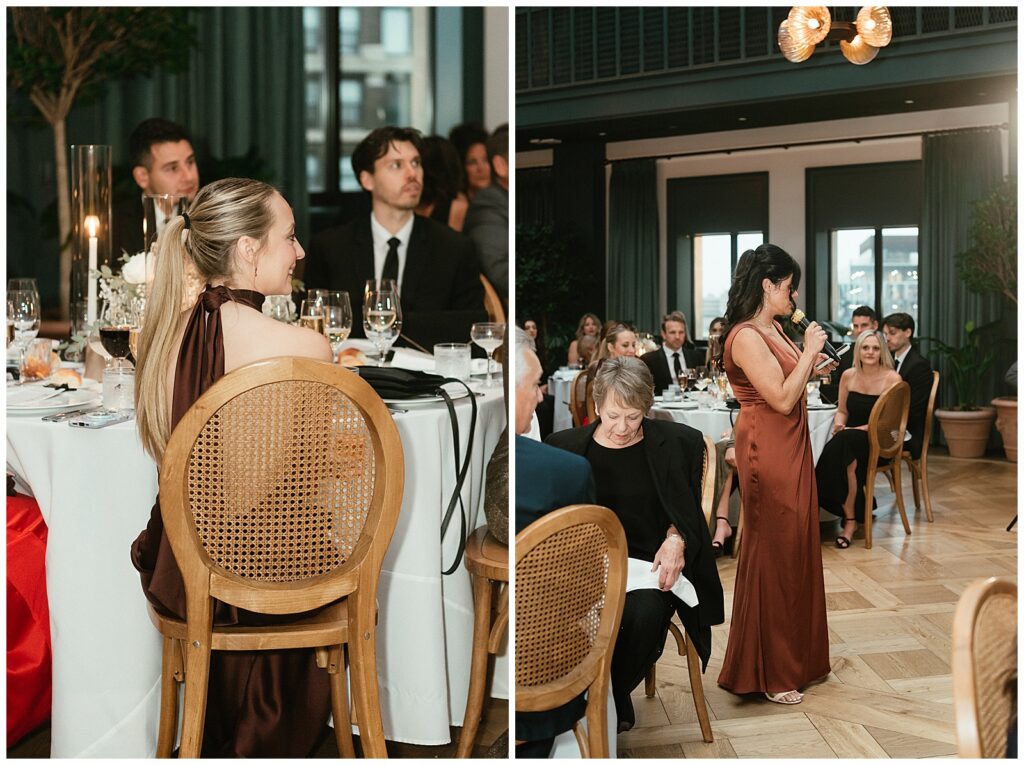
(886, 273)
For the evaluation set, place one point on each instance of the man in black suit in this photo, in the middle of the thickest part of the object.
(915, 371)
(163, 162)
(673, 358)
(487, 217)
(864, 318)
(546, 479)
(436, 268)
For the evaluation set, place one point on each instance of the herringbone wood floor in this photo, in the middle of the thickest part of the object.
(890, 614)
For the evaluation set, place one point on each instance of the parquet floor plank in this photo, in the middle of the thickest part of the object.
(890, 616)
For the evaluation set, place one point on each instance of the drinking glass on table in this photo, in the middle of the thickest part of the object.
(279, 307)
(337, 319)
(488, 335)
(23, 285)
(317, 296)
(382, 320)
(380, 285)
(22, 317)
(311, 316)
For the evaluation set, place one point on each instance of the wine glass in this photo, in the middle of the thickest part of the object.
(116, 341)
(311, 316)
(382, 320)
(337, 319)
(317, 296)
(23, 317)
(488, 335)
(279, 307)
(379, 285)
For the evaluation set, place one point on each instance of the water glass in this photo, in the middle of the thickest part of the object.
(36, 362)
(452, 360)
(119, 388)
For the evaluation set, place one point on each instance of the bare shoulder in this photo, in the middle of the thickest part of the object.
(892, 378)
(252, 336)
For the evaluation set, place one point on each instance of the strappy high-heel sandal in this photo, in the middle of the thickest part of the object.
(719, 547)
(843, 542)
(780, 698)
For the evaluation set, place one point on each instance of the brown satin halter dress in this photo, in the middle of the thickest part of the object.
(778, 636)
(261, 703)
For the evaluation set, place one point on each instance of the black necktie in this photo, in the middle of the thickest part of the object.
(391, 261)
(676, 364)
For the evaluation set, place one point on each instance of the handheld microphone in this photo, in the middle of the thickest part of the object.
(800, 320)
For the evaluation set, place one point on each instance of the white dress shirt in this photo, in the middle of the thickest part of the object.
(671, 364)
(899, 359)
(380, 246)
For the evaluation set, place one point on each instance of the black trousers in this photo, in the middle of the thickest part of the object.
(642, 633)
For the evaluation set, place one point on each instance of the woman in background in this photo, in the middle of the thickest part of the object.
(589, 325)
(842, 467)
(470, 140)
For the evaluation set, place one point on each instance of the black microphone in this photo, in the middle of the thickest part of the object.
(800, 320)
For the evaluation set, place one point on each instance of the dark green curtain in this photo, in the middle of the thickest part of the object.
(244, 89)
(959, 169)
(534, 197)
(633, 243)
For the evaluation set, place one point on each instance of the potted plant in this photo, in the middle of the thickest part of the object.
(966, 425)
(990, 265)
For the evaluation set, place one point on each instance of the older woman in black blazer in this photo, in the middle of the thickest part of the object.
(649, 473)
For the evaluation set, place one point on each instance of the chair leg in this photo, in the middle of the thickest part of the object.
(915, 479)
(339, 701)
(650, 680)
(482, 588)
(597, 716)
(581, 739)
(892, 484)
(362, 651)
(168, 700)
(697, 689)
(923, 473)
(197, 678)
(897, 478)
(869, 494)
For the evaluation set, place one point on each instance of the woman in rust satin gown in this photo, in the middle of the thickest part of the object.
(238, 238)
(778, 637)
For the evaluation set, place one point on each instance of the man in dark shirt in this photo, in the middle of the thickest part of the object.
(163, 162)
(435, 268)
(546, 479)
(915, 371)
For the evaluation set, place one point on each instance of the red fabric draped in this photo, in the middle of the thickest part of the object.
(28, 619)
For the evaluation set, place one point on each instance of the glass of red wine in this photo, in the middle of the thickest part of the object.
(116, 340)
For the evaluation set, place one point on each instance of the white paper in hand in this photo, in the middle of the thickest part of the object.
(640, 577)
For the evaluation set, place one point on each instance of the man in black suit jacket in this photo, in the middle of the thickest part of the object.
(163, 162)
(546, 479)
(663, 362)
(915, 371)
(436, 268)
(864, 318)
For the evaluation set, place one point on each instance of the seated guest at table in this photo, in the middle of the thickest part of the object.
(714, 341)
(864, 319)
(239, 236)
(672, 359)
(587, 349)
(915, 371)
(163, 162)
(442, 199)
(470, 141)
(487, 219)
(662, 518)
(546, 407)
(589, 325)
(842, 467)
(436, 268)
(546, 479)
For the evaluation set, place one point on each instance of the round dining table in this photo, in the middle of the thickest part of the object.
(95, 489)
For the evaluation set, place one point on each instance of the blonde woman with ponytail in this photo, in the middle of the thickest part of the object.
(239, 237)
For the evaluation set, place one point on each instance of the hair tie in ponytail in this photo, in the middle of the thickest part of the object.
(188, 223)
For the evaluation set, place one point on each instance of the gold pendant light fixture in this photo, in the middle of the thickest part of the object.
(807, 26)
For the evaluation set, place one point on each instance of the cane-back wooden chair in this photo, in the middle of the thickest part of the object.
(886, 429)
(683, 645)
(279, 490)
(581, 399)
(487, 561)
(919, 467)
(985, 667)
(570, 587)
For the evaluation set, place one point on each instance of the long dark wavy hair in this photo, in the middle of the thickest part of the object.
(745, 294)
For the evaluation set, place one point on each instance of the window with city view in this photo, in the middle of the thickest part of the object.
(714, 260)
(365, 67)
(859, 277)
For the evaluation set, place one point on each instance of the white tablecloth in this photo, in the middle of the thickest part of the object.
(95, 489)
(715, 422)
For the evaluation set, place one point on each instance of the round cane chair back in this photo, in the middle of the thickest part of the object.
(888, 422)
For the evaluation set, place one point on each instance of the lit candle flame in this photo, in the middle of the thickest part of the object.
(92, 224)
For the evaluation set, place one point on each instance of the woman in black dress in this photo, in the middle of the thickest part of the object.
(649, 473)
(842, 469)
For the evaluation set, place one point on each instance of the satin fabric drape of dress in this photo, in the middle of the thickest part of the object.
(778, 636)
(29, 688)
(261, 703)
